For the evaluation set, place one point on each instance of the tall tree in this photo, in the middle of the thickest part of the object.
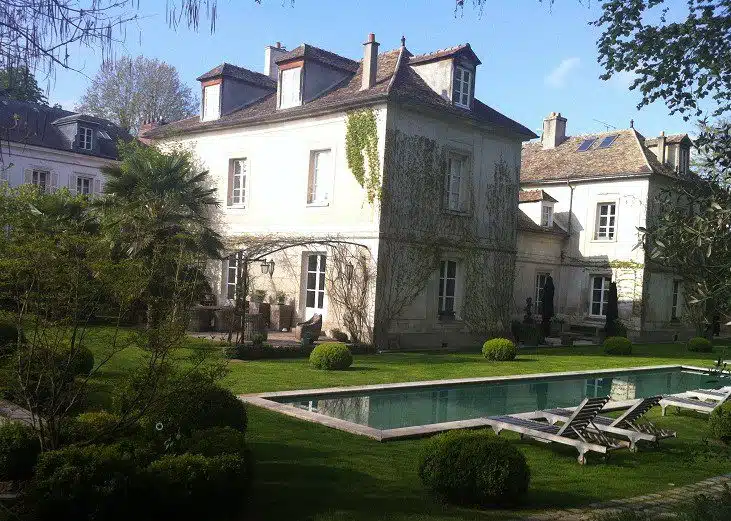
(128, 91)
(18, 83)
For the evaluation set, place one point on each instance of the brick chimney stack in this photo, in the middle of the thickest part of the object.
(370, 62)
(147, 126)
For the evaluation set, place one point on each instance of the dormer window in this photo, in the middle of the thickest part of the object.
(462, 88)
(211, 102)
(290, 87)
(547, 215)
(86, 138)
(683, 160)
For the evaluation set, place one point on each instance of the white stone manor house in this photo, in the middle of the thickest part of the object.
(446, 249)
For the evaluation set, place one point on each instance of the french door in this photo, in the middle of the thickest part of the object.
(315, 285)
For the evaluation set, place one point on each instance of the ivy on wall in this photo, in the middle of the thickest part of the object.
(361, 144)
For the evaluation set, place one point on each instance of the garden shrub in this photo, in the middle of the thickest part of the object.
(100, 426)
(473, 468)
(699, 344)
(19, 449)
(217, 440)
(82, 361)
(9, 336)
(719, 423)
(194, 487)
(617, 345)
(258, 339)
(499, 349)
(93, 482)
(331, 355)
(531, 334)
(516, 329)
(339, 335)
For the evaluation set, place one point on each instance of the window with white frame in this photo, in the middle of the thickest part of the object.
(211, 102)
(675, 309)
(41, 179)
(547, 215)
(541, 278)
(599, 295)
(320, 178)
(238, 182)
(290, 88)
(606, 221)
(455, 182)
(462, 87)
(85, 138)
(447, 287)
(84, 185)
(233, 263)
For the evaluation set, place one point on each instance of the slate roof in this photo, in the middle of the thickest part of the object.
(627, 156)
(394, 80)
(321, 55)
(35, 126)
(533, 196)
(233, 71)
(464, 49)
(527, 224)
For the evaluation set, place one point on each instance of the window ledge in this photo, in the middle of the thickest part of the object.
(605, 241)
(317, 205)
(236, 206)
(458, 213)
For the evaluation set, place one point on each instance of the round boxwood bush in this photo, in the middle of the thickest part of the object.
(617, 345)
(473, 468)
(331, 355)
(499, 349)
(19, 449)
(699, 344)
(719, 423)
(100, 426)
(216, 441)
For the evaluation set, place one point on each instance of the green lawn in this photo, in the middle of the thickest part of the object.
(307, 471)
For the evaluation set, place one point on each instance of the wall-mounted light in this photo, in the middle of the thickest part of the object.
(267, 267)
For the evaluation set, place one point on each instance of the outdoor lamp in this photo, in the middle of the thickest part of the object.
(349, 269)
(264, 267)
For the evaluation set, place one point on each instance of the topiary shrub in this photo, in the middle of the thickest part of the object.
(82, 361)
(617, 345)
(217, 440)
(719, 423)
(699, 344)
(87, 482)
(97, 427)
(258, 339)
(19, 449)
(339, 335)
(194, 487)
(499, 349)
(473, 468)
(331, 356)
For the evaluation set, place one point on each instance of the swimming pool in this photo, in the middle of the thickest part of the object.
(417, 408)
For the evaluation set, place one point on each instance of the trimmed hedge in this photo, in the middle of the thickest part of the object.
(19, 449)
(269, 352)
(719, 423)
(699, 344)
(617, 345)
(331, 356)
(98, 427)
(499, 349)
(473, 468)
(216, 441)
(339, 335)
(194, 487)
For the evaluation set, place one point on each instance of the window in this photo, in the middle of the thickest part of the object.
(606, 221)
(320, 180)
(237, 181)
(540, 284)
(289, 89)
(232, 274)
(454, 182)
(211, 102)
(41, 179)
(586, 144)
(599, 295)
(447, 287)
(547, 215)
(315, 289)
(676, 296)
(84, 185)
(462, 88)
(683, 160)
(85, 138)
(607, 141)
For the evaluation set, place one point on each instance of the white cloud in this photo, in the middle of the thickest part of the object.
(557, 77)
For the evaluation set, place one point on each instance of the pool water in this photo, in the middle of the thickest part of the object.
(394, 408)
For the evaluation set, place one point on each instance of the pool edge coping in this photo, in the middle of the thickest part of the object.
(264, 400)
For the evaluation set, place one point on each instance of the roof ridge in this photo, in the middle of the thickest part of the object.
(643, 150)
(446, 49)
(396, 70)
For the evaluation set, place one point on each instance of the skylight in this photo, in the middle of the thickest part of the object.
(607, 141)
(586, 144)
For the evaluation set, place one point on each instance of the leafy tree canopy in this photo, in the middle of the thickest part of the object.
(18, 83)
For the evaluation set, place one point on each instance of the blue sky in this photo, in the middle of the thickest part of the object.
(535, 58)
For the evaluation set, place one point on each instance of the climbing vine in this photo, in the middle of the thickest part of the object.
(361, 144)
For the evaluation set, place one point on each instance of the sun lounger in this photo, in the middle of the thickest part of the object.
(697, 403)
(575, 432)
(708, 394)
(625, 426)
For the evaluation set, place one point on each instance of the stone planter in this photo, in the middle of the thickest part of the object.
(263, 309)
(201, 318)
(281, 317)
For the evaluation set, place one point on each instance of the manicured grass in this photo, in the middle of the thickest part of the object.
(308, 471)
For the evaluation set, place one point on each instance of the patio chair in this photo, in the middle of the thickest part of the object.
(699, 403)
(625, 426)
(311, 328)
(575, 432)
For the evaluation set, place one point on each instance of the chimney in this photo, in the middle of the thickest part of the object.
(661, 149)
(147, 126)
(271, 53)
(370, 62)
(554, 131)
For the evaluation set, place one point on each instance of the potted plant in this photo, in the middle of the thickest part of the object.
(258, 306)
(281, 313)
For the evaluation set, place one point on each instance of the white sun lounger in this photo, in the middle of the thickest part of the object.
(709, 394)
(624, 426)
(697, 403)
(575, 432)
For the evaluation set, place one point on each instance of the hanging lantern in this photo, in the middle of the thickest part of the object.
(264, 267)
